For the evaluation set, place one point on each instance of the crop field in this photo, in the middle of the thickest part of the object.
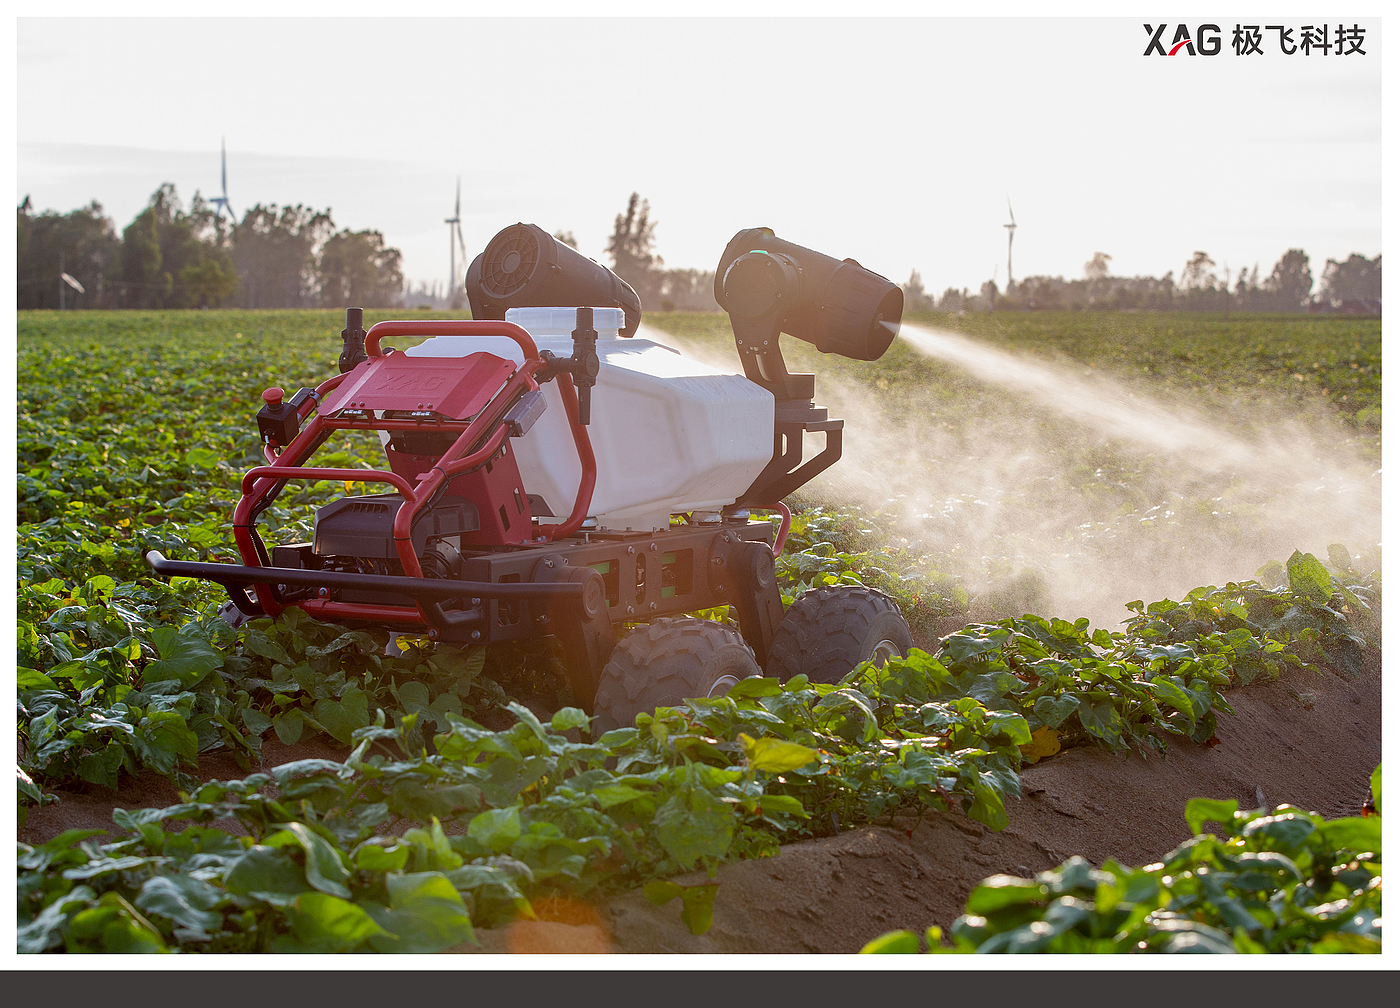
(1098, 525)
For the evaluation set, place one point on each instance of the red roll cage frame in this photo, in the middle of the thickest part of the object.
(479, 440)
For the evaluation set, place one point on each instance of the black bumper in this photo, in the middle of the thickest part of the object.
(430, 592)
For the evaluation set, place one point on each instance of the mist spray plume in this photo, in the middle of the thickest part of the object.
(1052, 488)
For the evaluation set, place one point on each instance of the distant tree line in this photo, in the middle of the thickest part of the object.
(173, 257)
(294, 257)
(1352, 286)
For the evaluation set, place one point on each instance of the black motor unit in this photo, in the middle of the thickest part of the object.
(364, 526)
(524, 266)
(837, 305)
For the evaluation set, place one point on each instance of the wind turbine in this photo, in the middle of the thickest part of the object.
(65, 279)
(1010, 234)
(221, 202)
(454, 240)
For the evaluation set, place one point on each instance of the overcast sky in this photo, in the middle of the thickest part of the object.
(894, 142)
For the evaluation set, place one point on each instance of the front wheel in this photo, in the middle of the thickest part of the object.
(827, 632)
(663, 662)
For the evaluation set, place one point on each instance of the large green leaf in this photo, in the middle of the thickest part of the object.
(288, 726)
(163, 738)
(698, 907)
(987, 807)
(260, 644)
(568, 717)
(326, 923)
(1000, 891)
(269, 874)
(1288, 830)
(970, 644)
(1307, 576)
(1354, 833)
(693, 825)
(496, 829)
(1052, 710)
(1200, 810)
(896, 942)
(1102, 720)
(773, 755)
(1173, 694)
(324, 869)
(184, 657)
(425, 914)
(182, 899)
(46, 928)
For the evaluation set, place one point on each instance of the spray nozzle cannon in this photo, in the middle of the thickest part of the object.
(582, 366)
(771, 286)
(837, 305)
(353, 337)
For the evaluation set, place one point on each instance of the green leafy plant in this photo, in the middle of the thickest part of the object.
(512, 817)
(110, 691)
(1277, 880)
(1313, 614)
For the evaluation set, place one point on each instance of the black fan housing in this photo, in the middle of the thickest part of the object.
(524, 266)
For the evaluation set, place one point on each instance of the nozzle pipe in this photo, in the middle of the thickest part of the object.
(353, 340)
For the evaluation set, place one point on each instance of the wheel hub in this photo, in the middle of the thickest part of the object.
(883, 652)
(722, 685)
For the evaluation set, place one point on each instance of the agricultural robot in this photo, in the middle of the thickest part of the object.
(552, 473)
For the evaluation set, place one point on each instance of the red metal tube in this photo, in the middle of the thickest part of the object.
(449, 327)
(328, 610)
(289, 472)
(588, 476)
(782, 509)
(476, 458)
(330, 383)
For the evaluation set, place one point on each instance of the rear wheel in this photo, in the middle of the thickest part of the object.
(663, 662)
(829, 631)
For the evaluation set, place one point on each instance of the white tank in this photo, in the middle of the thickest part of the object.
(670, 434)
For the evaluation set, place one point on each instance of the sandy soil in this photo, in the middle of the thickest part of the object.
(834, 895)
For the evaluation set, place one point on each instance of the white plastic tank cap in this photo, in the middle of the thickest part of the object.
(562, 321)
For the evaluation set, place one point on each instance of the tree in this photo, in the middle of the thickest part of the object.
(989, 294)
(1097, 267)
(1197, 272)
(208, 278)
(915, 297)
(954, 299)
(357, 269)
(84, 241)
(1358, 279)
(174, 259)
(1291, 281)
(687, 290)
(208, 283)
(143, 281)
(275, 251)
(567, 237)
(632, 247)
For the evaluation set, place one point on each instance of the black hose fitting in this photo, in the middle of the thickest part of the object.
(582, 366)
(353, 337)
